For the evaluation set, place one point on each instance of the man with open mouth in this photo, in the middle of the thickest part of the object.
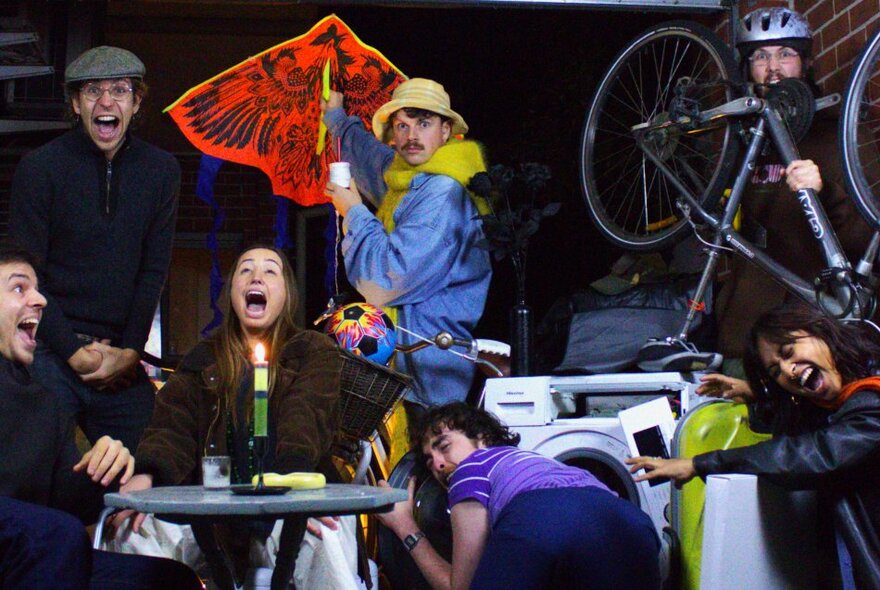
(47, 490)
(98, 207)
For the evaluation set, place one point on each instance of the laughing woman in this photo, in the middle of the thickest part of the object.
(205, 408)
(818, 391)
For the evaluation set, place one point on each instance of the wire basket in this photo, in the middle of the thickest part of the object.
(368, 392)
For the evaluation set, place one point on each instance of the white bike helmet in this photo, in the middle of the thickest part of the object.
(773, 26)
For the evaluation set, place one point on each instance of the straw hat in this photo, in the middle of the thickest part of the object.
(418, 93)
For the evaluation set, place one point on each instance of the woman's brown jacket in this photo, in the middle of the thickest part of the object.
(189, 417)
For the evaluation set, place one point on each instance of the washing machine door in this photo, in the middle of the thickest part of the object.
(586, 445)
(432, 515)
(606, 468)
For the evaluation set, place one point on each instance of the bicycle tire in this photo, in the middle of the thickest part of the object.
(858, 143)
(627, 197)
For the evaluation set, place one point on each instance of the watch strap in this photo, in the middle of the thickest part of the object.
(410, 541)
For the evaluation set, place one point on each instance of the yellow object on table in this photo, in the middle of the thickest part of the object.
(298, 480)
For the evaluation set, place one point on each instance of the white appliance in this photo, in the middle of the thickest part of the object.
(574, 419)
(752, 521)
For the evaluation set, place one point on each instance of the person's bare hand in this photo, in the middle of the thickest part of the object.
(679, 470)
(313, 525)
(718, 385)
(334, 102)
(118, 368)
(104, 461)
(141, 481)
(85, 360)
(802, 174)
(343, 198)
(400, 519)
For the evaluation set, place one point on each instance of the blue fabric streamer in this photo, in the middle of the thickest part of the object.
(208, 169)
(330, 238)
(282, 233)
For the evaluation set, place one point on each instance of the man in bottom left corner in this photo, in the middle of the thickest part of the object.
(47, 491)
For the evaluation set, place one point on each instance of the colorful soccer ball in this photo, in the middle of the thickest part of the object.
(364, 330)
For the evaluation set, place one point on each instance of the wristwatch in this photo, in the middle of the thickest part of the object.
(410, 541)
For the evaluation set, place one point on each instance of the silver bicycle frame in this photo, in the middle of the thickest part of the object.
(769, 121)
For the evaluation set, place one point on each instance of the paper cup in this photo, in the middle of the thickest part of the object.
(340, 174)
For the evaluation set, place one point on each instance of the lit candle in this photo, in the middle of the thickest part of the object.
(261, 390)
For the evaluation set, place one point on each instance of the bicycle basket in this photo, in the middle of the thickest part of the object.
(368, 392)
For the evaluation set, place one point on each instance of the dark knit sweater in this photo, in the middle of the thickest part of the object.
(37, 451)
(105, 255)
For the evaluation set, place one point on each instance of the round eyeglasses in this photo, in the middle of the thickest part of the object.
(785, 56)
(118, 92)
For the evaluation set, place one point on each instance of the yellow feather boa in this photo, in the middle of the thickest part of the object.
(458, 159)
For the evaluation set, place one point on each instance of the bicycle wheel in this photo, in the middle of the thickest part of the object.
(858, 140)
(673, 66)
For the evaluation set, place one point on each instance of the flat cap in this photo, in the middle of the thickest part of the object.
(104, 63)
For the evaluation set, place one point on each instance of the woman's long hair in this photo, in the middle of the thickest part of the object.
(854, 349)
(230, 344)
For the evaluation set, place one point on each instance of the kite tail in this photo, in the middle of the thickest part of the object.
(208, 169)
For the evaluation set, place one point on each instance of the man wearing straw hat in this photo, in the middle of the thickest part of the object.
(418, 253)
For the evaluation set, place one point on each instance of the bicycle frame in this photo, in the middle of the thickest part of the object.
(850, 300)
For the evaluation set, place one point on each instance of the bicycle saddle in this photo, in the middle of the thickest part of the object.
(674, 354)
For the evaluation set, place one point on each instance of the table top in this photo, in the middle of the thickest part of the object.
(198, 501)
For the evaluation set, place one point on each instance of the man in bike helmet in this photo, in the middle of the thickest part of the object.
(775, 44)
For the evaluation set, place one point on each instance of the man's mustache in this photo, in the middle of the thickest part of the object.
(413, 144)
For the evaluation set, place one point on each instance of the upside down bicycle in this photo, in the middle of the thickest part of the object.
(662, 137)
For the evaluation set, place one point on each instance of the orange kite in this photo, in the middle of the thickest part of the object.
(265, 111)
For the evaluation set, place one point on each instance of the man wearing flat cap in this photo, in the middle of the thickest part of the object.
(418, 253)
(98, 207)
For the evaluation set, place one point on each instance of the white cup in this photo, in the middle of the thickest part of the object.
(340, 174)
(215, 471)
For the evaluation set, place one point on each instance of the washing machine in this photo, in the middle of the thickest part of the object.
(574, 419)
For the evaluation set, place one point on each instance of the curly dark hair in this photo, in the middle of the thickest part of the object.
(854, 346)
(473, 422)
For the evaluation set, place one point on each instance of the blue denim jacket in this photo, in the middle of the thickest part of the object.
(429, 267)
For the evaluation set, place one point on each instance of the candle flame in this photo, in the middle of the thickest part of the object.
(260, 352)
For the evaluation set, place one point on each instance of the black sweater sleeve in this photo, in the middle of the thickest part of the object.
(75, 492)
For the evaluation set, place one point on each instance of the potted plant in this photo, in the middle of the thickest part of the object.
(517, 205)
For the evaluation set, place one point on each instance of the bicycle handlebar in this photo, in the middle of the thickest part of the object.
(445, 341)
